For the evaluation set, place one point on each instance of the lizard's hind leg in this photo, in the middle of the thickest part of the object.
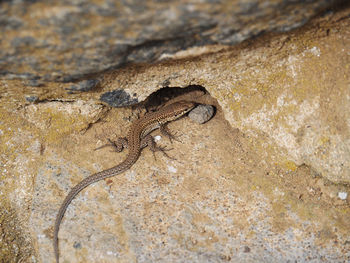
(119, 145)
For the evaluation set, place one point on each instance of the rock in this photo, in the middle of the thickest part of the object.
(202, 113)
(266, 179)
(68, 40)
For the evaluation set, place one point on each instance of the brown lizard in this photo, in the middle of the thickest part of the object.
(137, 138)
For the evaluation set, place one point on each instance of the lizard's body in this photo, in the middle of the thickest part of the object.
(138, 137)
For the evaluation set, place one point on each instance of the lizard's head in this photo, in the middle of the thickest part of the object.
(180, 108)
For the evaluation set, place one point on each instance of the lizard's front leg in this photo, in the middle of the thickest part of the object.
(166, 132)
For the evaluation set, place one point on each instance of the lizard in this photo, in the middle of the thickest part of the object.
(137, 138)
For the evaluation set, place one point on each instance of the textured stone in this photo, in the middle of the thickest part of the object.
(259, 182)
(67, 40)
(281, 91)
(202, 113)
(118, 98)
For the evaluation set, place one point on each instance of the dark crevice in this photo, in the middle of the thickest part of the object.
(166, 94)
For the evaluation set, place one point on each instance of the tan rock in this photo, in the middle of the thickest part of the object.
(260, 181)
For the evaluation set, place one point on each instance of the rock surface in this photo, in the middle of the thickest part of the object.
(265, 180)
(66, 40)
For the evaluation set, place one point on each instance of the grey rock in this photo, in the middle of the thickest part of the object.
(118, 98)
(202, 113)
(66, 40)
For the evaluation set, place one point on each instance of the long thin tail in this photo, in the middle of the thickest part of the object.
(80, 186)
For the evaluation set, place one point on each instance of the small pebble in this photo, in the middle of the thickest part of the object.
(342, 195)
(172, 169)
(202, 113)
